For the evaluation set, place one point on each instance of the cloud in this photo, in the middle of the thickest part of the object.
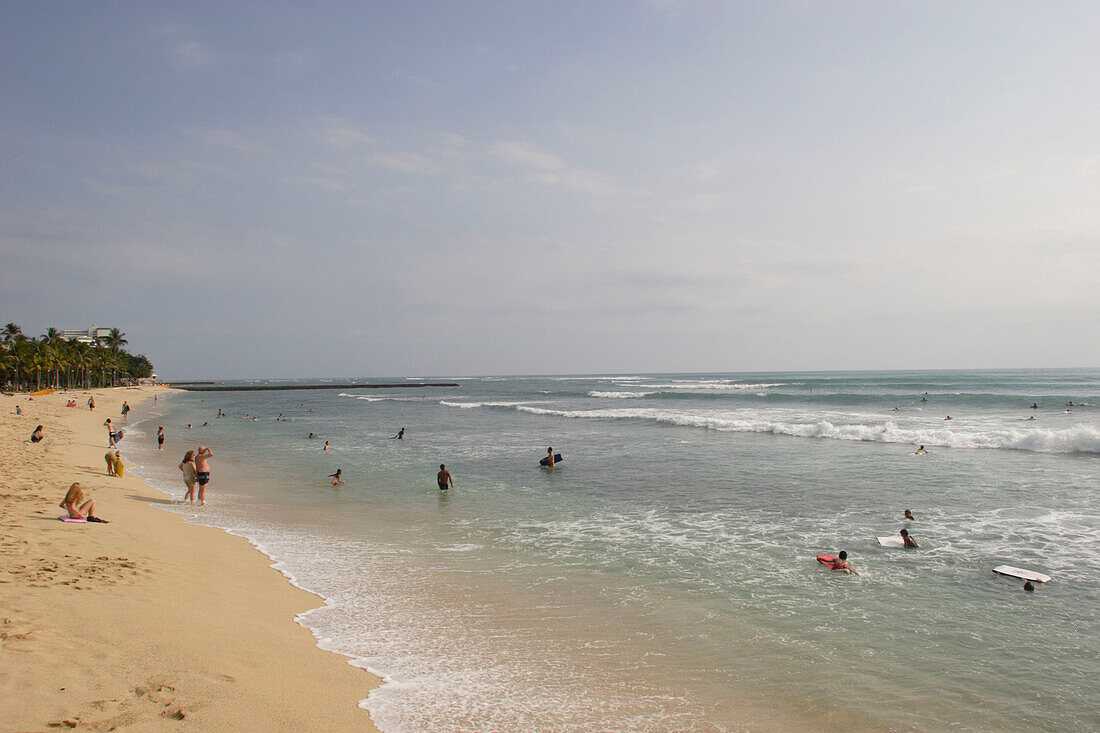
(407, 163)
(527, 156)
(340, 133)
(192, 55)
(231, 139)
(551, 170)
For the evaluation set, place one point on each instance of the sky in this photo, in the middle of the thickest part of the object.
(369, 189)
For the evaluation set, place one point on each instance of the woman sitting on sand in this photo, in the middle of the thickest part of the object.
(187, 466)
(36, 436)
(77, 508)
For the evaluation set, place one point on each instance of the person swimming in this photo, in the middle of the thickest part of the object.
(920, 451)
(906, 540)
(909, 516)
(841, 563)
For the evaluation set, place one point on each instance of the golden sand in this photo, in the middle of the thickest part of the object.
(147, 622)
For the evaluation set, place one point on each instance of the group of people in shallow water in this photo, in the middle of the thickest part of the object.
(840, 562)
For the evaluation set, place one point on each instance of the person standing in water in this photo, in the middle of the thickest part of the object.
(909, 515)
(190, 476)
(202, 471)
(400, 435)
(160, 438)
(443, 478)
(550, 457)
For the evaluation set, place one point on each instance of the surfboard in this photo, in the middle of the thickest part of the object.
(895, 541)
(74, 520)
(546, 461)
(1021, 573)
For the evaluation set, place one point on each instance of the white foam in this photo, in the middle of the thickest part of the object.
(619, 395)
(1077, 439)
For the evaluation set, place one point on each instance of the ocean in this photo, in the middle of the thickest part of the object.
(663, 577)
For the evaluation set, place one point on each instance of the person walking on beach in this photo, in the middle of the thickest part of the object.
(336, 480)
(443, 478)
(91, 403)
(202, 471)
(160, 438)
(187, 467)
(125, 408)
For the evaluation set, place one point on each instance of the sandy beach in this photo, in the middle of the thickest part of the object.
(146, 622)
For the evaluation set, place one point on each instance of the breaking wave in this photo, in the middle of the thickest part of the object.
(1077, 439)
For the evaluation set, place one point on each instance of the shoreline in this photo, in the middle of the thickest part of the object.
(148, 620)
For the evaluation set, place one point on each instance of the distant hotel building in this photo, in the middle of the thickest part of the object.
(89, 335)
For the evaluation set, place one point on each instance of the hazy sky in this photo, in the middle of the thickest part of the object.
(405, 188)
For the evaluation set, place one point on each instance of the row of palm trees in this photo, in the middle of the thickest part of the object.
(54, 361)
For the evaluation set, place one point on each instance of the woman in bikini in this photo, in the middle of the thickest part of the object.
(77, 508)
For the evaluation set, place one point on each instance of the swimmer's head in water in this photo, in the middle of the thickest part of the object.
(843, 555)
(905, 533)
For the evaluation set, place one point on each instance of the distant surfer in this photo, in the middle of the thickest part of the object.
(336, 480)
(1034, 406)
(909, 516)
(312, 436)
(906, 540)
(549, 457)
(947, 418)
(400, 435)
(443, 478)
(920, 451)
(923, 399)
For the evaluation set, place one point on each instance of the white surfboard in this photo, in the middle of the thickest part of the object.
(894, 541)
(1021, 573)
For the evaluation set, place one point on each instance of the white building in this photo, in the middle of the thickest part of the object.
(89, 335)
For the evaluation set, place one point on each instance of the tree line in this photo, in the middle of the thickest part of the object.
(54, 361)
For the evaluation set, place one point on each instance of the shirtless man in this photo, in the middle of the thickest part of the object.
(550, 457)
(443, 478)
(906, 540)
(842, 563)
(202, 471)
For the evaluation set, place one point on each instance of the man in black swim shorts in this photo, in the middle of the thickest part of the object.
(202, 471)
(443, 478)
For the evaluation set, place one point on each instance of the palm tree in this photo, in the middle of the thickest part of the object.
(115, 340)
(11, 331)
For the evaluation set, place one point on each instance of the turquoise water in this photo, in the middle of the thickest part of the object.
(662, 578)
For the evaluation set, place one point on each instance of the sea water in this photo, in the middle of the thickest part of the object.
(663, 576)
